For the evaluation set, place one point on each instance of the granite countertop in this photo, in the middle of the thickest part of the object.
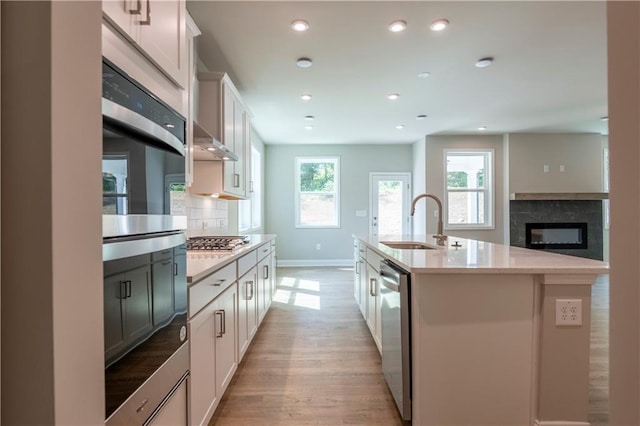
(479, 257)
(201, 263)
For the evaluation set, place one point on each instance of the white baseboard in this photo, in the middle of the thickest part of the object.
(284, 263)
(559, 423)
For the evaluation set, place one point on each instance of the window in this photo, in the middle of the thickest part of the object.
(317, 192)
(115, 170)
(250, 210)
(469, 189)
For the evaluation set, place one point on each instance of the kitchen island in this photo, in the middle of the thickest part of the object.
(485, 347)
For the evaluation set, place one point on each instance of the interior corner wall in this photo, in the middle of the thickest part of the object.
(419, 185)
(579, 153)
(623, 51)
(435, 147)
(506, 230)
(52, 313)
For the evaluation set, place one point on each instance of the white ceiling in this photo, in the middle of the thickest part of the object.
(549, 73)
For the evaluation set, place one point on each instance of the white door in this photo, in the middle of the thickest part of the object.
(390, 198)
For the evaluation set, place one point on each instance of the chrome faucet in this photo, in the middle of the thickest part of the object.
(440, 237)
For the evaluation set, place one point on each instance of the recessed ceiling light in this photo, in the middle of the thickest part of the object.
(304, 62)
(300, 25)
(484, 62)
(439, 25)
(397, 26)
(305, 96)
(400, 126)
(424, 74)
(309, 117)
(421, 117)
(482, 128)
(211, 149)
(393, 96)
(605, 118)
(309, 126)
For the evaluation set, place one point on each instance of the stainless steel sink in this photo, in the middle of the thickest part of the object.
(408, 245)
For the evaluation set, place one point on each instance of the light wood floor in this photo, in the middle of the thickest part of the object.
(313, 361)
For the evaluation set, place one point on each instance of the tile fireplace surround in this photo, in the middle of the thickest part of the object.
(559, 208)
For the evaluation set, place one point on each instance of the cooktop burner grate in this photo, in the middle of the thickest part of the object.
(217, 243)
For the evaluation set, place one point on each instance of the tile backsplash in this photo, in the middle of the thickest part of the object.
(206, 216)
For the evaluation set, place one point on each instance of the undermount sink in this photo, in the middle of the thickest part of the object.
(408, 245)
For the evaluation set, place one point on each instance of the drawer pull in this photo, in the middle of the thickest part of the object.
(372, 287)
(220, 313)
(248, 296)
(219, 282)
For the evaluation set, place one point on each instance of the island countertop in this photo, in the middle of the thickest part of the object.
(201, 263)
(478, 257)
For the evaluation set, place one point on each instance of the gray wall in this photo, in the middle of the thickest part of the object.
(356, 162)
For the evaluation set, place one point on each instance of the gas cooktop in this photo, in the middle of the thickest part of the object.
(217, 243)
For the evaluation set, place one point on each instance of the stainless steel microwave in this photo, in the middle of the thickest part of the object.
(143, 159)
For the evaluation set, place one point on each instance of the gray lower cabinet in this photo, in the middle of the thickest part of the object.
(128, 309)
(163, 291)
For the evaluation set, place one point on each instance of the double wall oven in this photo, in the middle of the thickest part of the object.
(144, 252)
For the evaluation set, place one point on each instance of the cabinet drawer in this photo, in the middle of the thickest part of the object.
(247, 262)
(263, 251)
(161, 254)
(205, 290)
(374, 259)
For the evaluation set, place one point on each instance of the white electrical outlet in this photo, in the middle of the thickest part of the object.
(318, 246)
(568, 312)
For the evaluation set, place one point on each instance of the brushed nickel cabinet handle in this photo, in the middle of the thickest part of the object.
(372, 284)
(224, 322)
(138, 8)
(175, 269)
(236, 180)
(265, 271)
(248, 296)
(128, 283)
(122, 290)
(219, 282)
(148, 20)
(220, 313)
(357, 264)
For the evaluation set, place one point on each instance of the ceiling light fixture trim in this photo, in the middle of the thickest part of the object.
(421, 116)
(439, 24)
(393, 96)
(309, 117)
(305, 96)
(300, 25)
(424, 74)
(484, 62)
(397, 26)
(304, 62)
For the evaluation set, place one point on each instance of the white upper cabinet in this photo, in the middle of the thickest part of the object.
(222, 113)
(157, 29)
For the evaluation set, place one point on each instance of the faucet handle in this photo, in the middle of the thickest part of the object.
(441, 239)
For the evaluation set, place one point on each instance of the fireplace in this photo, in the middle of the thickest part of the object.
(566, 226)
(556, 235)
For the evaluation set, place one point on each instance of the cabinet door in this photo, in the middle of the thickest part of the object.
(357, 270)
(122, 14)
(202, 350)
(263, 277)
(239, 145)
(364, 288)
(247, 320)
(373, 303)
(137, 304)
(162, 273)
(174, 411)
(114, 293)
(180, 272)
(225, 320)
(228, 133)
(162, 36)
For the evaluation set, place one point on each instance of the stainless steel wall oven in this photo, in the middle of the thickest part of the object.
(144, 252)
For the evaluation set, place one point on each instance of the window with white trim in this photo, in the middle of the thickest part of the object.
(468, 189)
(317, 198)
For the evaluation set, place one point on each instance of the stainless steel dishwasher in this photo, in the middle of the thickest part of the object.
(396, 334)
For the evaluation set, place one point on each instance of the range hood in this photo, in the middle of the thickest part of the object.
(208, 148)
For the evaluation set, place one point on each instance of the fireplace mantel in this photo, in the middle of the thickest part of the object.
(533, 196)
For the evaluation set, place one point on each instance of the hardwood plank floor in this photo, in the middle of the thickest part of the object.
(313, 361)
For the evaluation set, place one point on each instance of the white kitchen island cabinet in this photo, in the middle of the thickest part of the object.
(485, 347)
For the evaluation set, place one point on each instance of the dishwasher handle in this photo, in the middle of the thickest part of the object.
(389, 283)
